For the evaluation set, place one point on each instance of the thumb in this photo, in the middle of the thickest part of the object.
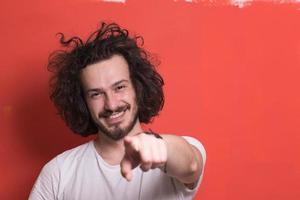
(126, 168)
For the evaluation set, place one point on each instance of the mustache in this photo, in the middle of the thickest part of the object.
(108, 112)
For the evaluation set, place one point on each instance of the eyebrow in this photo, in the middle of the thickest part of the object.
(119, 82)
(101, 90)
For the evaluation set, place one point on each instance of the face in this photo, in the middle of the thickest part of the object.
(110, 96)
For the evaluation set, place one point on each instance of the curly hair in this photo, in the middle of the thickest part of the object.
(110, 39)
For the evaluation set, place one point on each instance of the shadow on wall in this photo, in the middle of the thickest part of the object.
(40, 128)
(38, 135)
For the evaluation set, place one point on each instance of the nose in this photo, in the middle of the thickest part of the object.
(111, 102)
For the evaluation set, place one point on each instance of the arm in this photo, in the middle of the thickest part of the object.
(182, 160)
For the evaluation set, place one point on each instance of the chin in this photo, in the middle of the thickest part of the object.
(119, 130)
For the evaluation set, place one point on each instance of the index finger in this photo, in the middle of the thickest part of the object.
(126, 169)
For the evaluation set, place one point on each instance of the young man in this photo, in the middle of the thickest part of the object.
(108, 86)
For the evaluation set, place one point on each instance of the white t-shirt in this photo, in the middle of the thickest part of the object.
(81, 174)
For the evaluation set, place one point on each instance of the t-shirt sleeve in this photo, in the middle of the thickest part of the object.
(185, 192)
(46, 185)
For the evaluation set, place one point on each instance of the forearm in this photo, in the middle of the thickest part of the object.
(184, 161)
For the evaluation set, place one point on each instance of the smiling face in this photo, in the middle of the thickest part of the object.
(110, 96)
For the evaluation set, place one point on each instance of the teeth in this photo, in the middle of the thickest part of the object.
(115, 115)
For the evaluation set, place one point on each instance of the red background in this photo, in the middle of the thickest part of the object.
(232, 81)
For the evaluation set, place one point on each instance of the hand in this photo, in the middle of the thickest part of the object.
(145, 150)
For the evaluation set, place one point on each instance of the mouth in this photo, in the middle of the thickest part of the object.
(115, 117)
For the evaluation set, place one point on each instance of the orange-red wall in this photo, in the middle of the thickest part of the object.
(232, 81)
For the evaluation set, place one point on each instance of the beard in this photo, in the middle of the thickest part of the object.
(117, 132)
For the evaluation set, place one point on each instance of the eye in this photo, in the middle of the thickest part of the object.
(120, 87)
(95, 94)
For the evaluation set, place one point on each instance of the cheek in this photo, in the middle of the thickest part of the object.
(131, 96)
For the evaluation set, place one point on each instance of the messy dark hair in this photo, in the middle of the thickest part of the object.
(110, 39)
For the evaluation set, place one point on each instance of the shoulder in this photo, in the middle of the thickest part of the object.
(64, 163)
(67, 156)
(185, 191)
(73, 154)
(195, 142)
(47, 184)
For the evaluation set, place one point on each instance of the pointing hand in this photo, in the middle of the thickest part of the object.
(143, 150)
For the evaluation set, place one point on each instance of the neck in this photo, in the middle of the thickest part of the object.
(113, 151)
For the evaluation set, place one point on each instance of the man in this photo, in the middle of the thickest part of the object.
(108, 86)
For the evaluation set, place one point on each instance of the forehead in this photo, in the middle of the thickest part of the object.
(105, 73)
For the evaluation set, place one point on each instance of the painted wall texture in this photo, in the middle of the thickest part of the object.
(232, 80)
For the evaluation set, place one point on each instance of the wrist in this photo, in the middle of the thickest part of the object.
(158, 136)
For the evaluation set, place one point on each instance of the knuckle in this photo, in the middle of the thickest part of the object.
(157, 160)
(145, 167)
(146, 160)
